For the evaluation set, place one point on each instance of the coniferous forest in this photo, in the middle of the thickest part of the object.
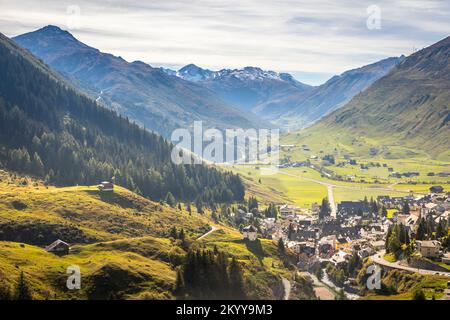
(49, 130)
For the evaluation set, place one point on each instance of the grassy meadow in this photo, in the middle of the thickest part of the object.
(119, 240)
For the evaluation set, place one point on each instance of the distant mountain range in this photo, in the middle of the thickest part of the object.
(329, 96)
(278, 97)
(245, 88)
(409, 106)
(163, 99)
(144, 94)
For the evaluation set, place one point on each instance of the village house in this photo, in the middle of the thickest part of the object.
(304, 247)
(289, 211)
(326, 246)
(58, 247)
(429, 248)
(315, 208)
(243, 215)
(378, 245)
(279, 234)
(366, 252)
(386, 224)
(303, 234)
(340, 258)
(250, 233)
(351, 207)
(269, 226)
(427, 209)
(343, 242)
(306, 262)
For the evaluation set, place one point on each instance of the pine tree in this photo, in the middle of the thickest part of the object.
(341, 295)
(236, 280)
(388, 237)
(199, 204)
(188, 208)
(419, 295)
(5, 291)
(281, 248)
(421, 230)
(179, 283)
(290, 231)
(37, 165)
(170, 199)
(325, 209)
(182, 235)
(23, 291)
(394, 243)
(384, 211)
(406, 209)
(173, 233)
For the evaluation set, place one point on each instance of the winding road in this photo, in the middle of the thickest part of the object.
(378, 259)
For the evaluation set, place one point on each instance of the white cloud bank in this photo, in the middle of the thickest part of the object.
(318, 38)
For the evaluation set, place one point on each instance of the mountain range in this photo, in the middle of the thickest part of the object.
(278, 97)
(329, 96)
(162, 99)
(144, 94)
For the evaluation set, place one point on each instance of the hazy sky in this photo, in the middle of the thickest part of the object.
(310, 39)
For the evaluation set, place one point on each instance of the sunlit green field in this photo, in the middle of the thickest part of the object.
(304, 186)
(366, 151)
(300, 192)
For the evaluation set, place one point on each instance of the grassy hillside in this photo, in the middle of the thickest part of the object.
(333, 94)
(410, 107)
(120, 241)
(401, 285)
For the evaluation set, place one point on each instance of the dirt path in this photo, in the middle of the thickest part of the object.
(209, 232)
(287, 288)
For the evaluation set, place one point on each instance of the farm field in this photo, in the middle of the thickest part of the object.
(303, 186)
(302, 193)
(377, 155)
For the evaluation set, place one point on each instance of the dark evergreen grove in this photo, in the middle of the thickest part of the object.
(210, 274)
(49, 130)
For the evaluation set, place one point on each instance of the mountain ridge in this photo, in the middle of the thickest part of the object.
(279, 97)
(136, 90)
(336, 92)
(409, 106)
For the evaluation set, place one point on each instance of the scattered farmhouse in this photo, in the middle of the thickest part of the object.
(250, 233)
(106, 186)
(58, 247)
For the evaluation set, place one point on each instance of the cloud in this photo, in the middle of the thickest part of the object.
(317, 37)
